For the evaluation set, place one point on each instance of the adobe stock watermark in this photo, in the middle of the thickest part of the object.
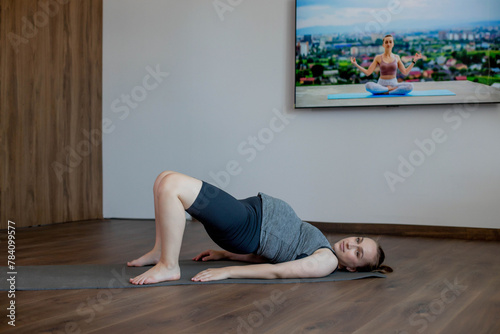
(30, 28)
(251, 146)
(382, 18)
(121, 106)
(453, 119)
(224, 6)
(88, 310)
(264, 308)
(428, 313)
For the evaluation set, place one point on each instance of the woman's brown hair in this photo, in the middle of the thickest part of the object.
(383, 39)
(378, 267)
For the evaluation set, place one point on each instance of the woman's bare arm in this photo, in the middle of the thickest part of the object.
(406, 70)
(370, 69)
(322, 263)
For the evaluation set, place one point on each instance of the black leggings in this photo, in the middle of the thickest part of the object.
(232, 224)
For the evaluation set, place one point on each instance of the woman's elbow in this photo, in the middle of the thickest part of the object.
(274, 272)
(277, 273)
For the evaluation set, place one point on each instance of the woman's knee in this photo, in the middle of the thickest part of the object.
(406, 88)
(170, 184)
(160, 178)
(184, 187)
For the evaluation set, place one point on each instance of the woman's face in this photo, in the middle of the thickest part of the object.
(355, 252)
(388, 43)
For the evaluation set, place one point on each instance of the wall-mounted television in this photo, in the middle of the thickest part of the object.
(438, 52)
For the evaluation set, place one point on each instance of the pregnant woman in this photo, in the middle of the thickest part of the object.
(260, 229)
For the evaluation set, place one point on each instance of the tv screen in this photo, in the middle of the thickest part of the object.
(396, 52)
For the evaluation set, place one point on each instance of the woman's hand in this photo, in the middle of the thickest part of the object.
(210, 255)
(417, 57)
(353, 61)
(211, 274)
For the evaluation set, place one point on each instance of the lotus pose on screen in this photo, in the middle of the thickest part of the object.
(389, 63)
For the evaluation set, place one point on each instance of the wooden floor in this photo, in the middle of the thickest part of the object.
(439, 286)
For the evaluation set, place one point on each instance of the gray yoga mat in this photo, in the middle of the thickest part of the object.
(116, 276)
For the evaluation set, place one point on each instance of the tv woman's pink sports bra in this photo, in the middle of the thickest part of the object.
(388, 68)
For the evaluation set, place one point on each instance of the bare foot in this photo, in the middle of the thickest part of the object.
(149, 258)
(390, 88)
(159, 273)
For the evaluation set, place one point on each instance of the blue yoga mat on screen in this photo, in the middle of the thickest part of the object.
(436, 92)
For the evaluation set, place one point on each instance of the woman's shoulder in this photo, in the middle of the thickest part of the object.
(327, 257)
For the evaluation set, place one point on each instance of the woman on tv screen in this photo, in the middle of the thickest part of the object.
(389, 64)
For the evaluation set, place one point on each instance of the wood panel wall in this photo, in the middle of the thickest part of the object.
(50, 111)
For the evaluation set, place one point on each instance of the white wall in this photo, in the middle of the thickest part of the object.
(227, 80)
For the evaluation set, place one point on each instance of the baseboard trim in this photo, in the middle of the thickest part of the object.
(427, 231)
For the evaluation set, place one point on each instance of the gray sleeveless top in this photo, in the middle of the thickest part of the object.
(284, 236)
